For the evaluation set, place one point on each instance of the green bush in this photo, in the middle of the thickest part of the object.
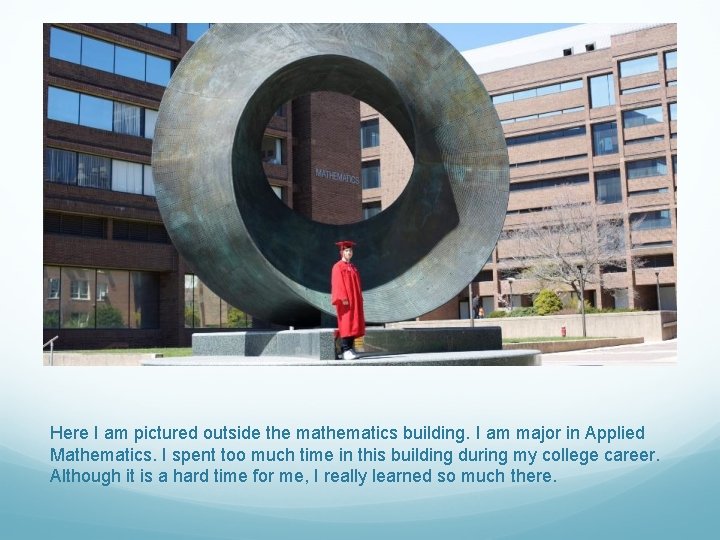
(547, 302)
(497, 314)
(523, 312)
(109, 317)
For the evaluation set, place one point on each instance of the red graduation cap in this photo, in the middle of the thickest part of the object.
(343, 244)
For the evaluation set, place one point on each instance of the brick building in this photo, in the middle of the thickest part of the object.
(591, 111)
(111, 276)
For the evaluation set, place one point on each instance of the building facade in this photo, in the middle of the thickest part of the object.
(590, 112)
(111, 276)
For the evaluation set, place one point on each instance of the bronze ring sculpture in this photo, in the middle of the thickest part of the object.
(262, 257)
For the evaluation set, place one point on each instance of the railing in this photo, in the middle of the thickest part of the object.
(52, 346)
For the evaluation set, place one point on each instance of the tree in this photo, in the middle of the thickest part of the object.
(570, 247)
(547, 301)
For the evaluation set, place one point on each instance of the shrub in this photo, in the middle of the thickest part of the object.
(523, 312)
(547, 302)
(497, 314)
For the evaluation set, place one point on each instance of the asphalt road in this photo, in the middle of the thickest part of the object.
(644, 354)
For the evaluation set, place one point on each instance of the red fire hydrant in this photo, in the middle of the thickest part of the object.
(563, 331)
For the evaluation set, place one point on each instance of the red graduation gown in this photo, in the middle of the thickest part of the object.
(345, 284)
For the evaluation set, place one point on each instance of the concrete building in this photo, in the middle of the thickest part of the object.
(590, 111)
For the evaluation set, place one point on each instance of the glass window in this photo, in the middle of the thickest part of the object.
(196, 30)
(158, 70)
(370, 133)
(602, 91)
(545, 90)
(148, 181)
(646, 167)
(63, 105)
(96, 112)
(659, 219)
(60, 166)
(51, 297)
(65, 45)
(113, 290)
(671, 60)
(126, 119)
(638, 66)
(640, 89)
(503, 98)
(97, 54)
(571, 85)
(127, 177)
(192, 320)
(673, 111)
(527, 94)
(129, 63)
(77, 288)
(150, 120)
(371, 209)
(272, 150)
(642, 117)
(144, 300)
(607, 187)
(605, 140)
(370, 174)
(94, 171)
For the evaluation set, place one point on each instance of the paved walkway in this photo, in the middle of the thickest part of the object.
(644, 354)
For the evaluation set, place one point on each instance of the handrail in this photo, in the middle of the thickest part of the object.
(52, 346)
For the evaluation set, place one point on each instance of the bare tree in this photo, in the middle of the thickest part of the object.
(571, 246)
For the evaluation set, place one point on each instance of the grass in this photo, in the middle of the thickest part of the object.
(551, 338)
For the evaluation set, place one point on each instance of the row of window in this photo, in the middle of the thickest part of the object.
(370, 174)
(106, 56)
(100, 298)
(541, 115)
(551, 182)
(91, 111)
(87, 170)
(96, 227)
(538, 91)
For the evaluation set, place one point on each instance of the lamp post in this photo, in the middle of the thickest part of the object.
(581, 280)
(470, 308)
(510, 281)
(657, 288)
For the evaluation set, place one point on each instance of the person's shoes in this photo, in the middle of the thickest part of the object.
(349, 355)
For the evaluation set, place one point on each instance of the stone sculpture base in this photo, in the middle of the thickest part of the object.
(381, 346)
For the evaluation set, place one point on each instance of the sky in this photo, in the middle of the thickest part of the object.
(471, 36)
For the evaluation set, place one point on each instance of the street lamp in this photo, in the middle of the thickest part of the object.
(510, 281)
(657, 288)
(581, 280)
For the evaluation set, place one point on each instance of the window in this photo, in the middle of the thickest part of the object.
(371, 209)
(602, 91)
(640, 89)
(605, 140)
(640, 140)
(108, 57)
(644, 192)
(196, 30)
(589, 47)
(642, 117)
(607, 187)
(538, 91)
(80, 289)
(53, 288)
(63, 105)
(126, 119)
(272, 150)
(659, 219)
(656, 261)
(370, 133)
(370, 174)
(542, 115)
(96, 112)
(567, 52)
(550, 182)
(74, 225)
(150, 120)
(205, 309)
(671, 60)
(546, 136)
(638, 66)
(645, 168)
(64, 167)
(139, 231)
(672, 109)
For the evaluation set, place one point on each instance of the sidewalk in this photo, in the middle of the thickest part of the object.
(654, 353)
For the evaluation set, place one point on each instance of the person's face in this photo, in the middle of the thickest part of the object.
(347, 253)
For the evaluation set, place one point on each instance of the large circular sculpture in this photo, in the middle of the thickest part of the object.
(262, 257)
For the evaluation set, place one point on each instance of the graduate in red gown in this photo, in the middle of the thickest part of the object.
(346, 296)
